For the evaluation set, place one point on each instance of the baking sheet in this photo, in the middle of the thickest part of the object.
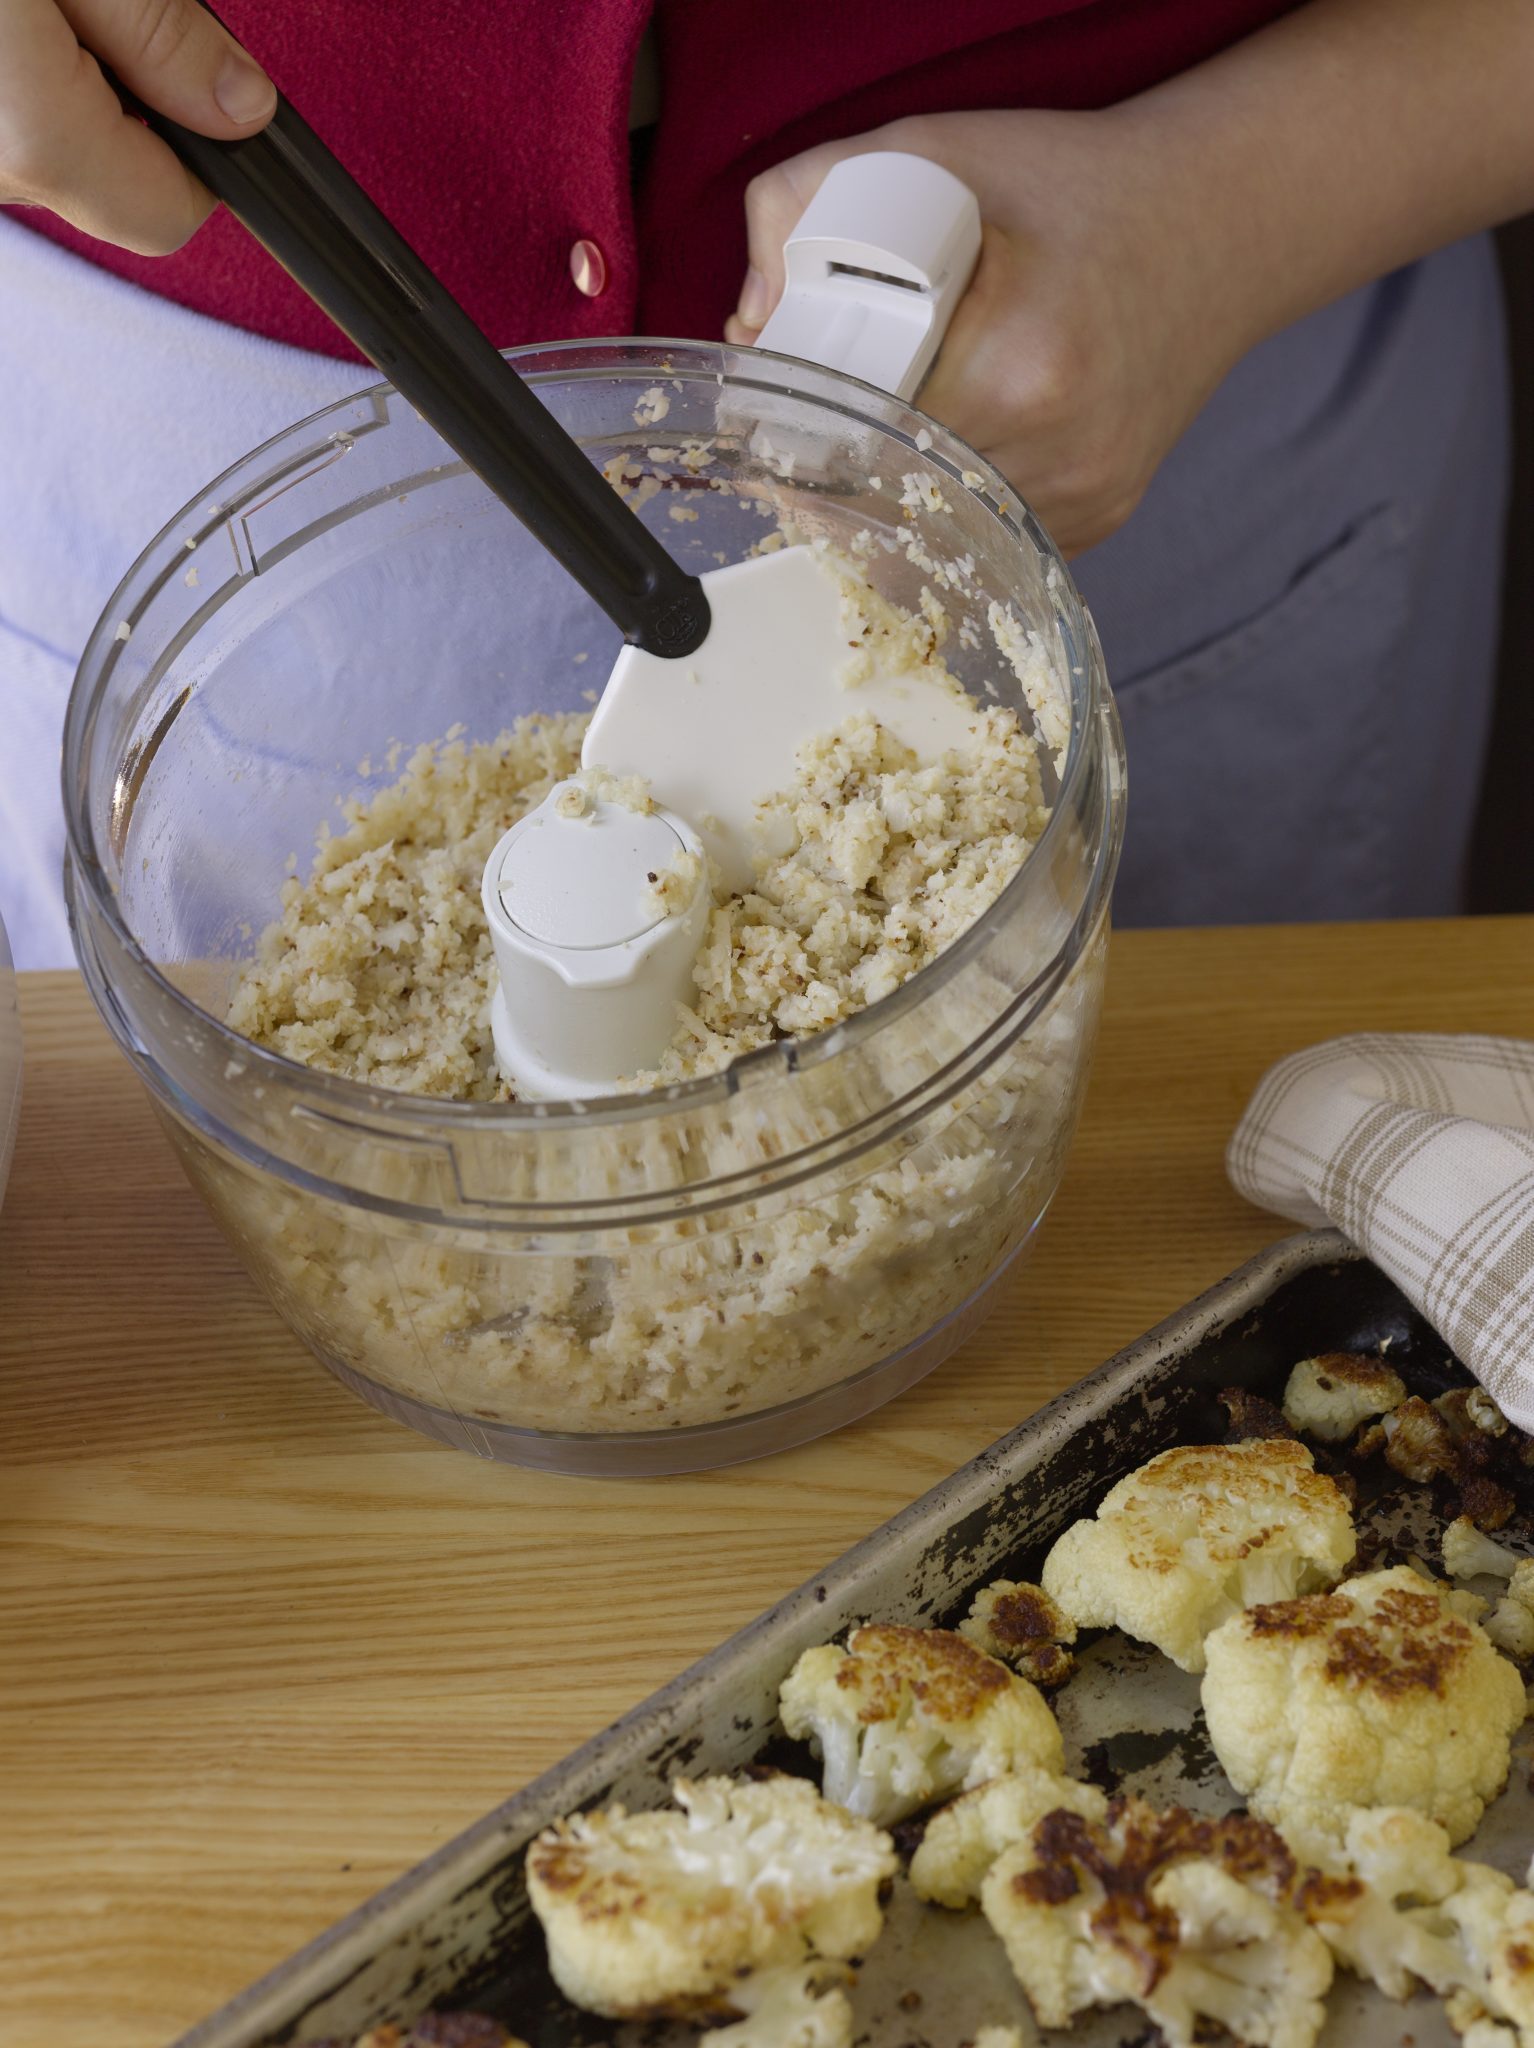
(457, 1931)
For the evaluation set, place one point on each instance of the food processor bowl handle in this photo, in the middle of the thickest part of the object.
(875, 269)
(302, 206)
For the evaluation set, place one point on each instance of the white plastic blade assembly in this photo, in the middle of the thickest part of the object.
(592, 965)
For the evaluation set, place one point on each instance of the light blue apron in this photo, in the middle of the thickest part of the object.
(1300, 619)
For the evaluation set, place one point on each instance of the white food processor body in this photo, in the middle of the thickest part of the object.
(632, 1283)
(10, 1059)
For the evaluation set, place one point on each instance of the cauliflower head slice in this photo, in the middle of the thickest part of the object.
(964, 1838)
(1398, 1908)
(904, 1716)
(1017, 1623)
(1376, 1694)
(670, 1914)
(1191, 1920)
(1329, 1396)
(1195, 1536)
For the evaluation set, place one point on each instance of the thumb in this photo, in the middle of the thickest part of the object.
(774, 203)
(178, 60)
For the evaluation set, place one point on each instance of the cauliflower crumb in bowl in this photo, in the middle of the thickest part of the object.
(783, 1229)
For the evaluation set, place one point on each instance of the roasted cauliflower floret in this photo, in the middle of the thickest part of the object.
(1510, 1625)
(796, 2005)
(673, 1914)
(1019, 1624)
(904, 1716)
(1377, 1694)
(1329, 1396)
(965, 1838)
(1195, 1536)
(1397, 1908)
(1467, 1553)
(1470, 1412)
(1191, 1920)
(1419, 1443)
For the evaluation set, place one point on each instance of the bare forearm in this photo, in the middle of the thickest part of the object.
(1347, 139)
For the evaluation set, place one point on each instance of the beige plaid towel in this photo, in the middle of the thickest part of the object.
(1422, 1150)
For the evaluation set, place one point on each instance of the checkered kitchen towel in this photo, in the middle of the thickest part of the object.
(1420, 1148)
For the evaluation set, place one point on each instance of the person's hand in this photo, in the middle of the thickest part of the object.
(1100, 317)
(67, 144)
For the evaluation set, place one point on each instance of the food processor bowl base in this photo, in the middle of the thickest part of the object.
(655, 1454)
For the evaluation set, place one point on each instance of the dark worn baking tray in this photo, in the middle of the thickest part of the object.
(456, 1930)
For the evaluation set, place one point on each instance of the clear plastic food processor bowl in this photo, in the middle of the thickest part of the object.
(646, 1283)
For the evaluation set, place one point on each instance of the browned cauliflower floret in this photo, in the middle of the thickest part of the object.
(904, 1716)
(964, 1838)
(1021, 1625)
(1377, 1694)
(1195, 1536)
(1470, 1412)
(732, 1901)
(1329, 1396)
(1191, 1920)
(1397, 1908)
(1485, 1504)
(1251, 1415)
(1418, 1442)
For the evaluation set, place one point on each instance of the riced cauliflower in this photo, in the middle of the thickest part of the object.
(1194, 1921)
(1019, 1624)
(679, 1913)
(1377, 1694)
(904, 1716)
(964, 1838)
(1397, 1908)
(1195, 1536)
(1329, 1396)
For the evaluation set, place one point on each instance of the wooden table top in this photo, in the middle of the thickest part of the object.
(262, 1649)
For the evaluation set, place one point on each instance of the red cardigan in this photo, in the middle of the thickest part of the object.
(495, 133)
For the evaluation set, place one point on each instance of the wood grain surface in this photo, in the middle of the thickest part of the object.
(261, 1649)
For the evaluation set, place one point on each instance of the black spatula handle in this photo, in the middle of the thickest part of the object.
(299, 203)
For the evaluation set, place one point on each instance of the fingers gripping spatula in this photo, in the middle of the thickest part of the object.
(723, 676)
